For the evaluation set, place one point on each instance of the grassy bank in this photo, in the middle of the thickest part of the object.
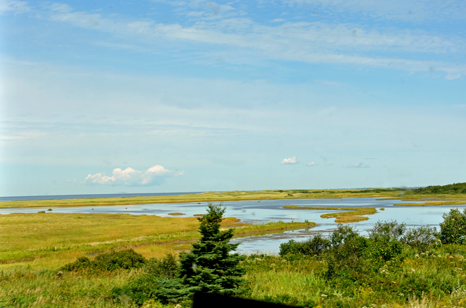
(51, 240)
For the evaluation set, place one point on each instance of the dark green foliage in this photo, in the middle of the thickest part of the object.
(342, 235)
(453, 227)
(421, 238)
(457, 188)
(124, 259)
(83, 263)
(347, 260)
(314, 246)
(386, 239)
(166, 267)
(387, 230)
(151, 287)
(211, 266)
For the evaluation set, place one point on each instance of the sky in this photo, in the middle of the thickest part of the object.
(149, 96)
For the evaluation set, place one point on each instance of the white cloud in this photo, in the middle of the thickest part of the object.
(13, 6)
(130, 177)
(358, 165)
(451, 76)
(310, 42)
(311, 164)
(291, 160)
(411, 11)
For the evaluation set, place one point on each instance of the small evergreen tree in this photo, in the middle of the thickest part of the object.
(211, 266)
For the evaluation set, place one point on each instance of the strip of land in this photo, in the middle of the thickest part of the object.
(53, 239)
(212, 197)
(350, 214)
(449, 198)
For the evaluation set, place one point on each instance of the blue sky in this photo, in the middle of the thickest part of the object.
(171, 96)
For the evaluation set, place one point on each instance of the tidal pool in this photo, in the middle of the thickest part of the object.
(271, 210)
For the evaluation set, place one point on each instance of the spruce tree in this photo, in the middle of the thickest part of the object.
(211, 267)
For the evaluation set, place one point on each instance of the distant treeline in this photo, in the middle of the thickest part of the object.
(457, 188)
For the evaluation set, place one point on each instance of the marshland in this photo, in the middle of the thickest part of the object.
(385, 263)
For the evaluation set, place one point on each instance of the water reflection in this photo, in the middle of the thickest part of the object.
(271, 210)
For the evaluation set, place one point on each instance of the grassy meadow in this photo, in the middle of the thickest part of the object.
(44, 241)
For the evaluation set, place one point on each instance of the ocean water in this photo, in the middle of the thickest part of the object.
(88, 196)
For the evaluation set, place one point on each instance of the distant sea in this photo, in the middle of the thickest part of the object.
(53, 197)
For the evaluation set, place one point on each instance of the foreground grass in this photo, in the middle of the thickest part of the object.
(51, 240)
(350, 214)
(301, 282)
(294, 281)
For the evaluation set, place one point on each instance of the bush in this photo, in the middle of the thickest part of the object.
(124, 259)
(421, 238)
(347, 260)
(148, 287)
(386, 239)
(166, 267)
(453, 227)
(342, 235)
(314, 246)
(83, 263)
(387, 230)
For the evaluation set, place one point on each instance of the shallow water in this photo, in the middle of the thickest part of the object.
(271, 210)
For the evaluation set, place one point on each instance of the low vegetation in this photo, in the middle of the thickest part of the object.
(393, 267)
(107, 263)
(457, 188)
(348, 215)
(42, 241)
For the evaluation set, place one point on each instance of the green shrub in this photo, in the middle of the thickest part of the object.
(421, 238)
(124, 259)
(149, 287)
(341, 235)
(385, 240)
(453, 227)
(347, 260)
(138, 290)
(387, 230)
(83, 263)
(166, 267)
(316, 245)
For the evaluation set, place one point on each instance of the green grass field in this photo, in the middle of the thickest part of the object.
(51, 240)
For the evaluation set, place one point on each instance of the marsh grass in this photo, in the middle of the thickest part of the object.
(385, 193)
(349, 214)
(53, 239)
(210, 197)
